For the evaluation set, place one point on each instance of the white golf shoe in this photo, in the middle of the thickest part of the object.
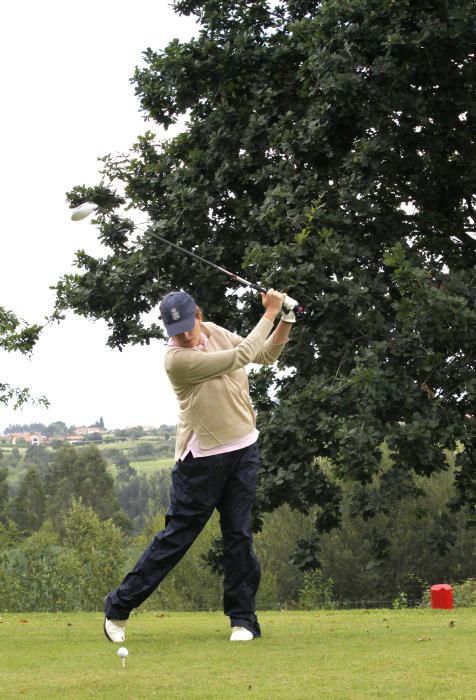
(115, 630)
(240, 634)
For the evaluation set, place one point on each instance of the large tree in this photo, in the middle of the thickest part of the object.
(81, 474)
(4, 494)
(28, 508)
(329, 150)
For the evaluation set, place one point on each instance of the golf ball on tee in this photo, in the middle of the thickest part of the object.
(122, 652)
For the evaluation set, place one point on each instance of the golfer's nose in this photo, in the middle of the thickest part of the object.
(187, 335)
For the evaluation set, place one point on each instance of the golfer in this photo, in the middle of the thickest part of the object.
(217, 457)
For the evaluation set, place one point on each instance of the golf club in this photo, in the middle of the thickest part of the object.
(84, 210)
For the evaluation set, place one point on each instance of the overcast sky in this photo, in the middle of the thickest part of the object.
(67, 100)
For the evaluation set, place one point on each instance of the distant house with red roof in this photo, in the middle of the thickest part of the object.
(29, 438)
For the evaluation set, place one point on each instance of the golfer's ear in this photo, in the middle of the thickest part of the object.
(199, 313)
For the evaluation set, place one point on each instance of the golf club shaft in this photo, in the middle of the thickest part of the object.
(237, 278)
(86, 208)
(232, 275)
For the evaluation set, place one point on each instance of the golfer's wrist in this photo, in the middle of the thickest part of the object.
(270, 315)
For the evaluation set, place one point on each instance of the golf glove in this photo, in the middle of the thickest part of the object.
(287, 313)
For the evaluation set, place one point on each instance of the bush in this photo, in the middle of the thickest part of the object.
(143, 450)
(464, 594)
(316, 591)
(400, 602)
(101, 549)
(44, 574)
(40, 576)
(267, 596)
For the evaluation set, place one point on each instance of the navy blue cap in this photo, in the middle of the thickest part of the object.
(177, 311)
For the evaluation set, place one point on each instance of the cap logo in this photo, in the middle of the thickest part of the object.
(175, 314)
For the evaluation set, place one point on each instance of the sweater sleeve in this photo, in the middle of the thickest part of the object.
(189, 367)
(269, 353)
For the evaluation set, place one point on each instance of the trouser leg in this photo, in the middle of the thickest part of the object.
(189, 511)
(241, 566)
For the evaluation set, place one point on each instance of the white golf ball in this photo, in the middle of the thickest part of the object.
(122, 652)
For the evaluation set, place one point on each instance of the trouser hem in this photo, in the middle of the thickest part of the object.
(251, 626)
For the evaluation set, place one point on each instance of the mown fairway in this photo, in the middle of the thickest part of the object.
(152, 465)
(320, 654)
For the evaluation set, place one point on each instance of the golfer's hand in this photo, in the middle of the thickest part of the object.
(272, 302)
(287, 314)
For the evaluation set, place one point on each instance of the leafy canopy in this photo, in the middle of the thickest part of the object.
(329, 151)
(17, 337)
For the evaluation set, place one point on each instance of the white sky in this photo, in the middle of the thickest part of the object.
(67, 100)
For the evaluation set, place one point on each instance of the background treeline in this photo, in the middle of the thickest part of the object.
(59, 430)
(74, 519)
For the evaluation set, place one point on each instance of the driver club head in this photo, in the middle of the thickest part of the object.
(83, 211)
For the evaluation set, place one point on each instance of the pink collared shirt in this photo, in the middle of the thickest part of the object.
(193, 445)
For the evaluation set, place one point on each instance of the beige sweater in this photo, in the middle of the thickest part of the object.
(212, 385)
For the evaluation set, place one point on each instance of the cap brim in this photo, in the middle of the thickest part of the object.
(182, 326)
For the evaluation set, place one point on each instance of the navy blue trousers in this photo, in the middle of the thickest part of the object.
(199, 485)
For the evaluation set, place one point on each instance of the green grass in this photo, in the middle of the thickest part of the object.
(150, 465)
(9, 448)
(320, 654)
(123, 445)
(128, 444)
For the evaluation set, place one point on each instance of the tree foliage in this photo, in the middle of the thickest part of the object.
(81, 474)
(46, 572)
(100, 547)
(16, 336)
(4, 495)
(56, 429)
(330, 151)
(29, 506)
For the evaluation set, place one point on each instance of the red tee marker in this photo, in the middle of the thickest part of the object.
(442, 596)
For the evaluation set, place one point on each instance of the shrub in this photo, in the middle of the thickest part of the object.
(316, 591)
(43, 574)
(401, 601)
(464, 594)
